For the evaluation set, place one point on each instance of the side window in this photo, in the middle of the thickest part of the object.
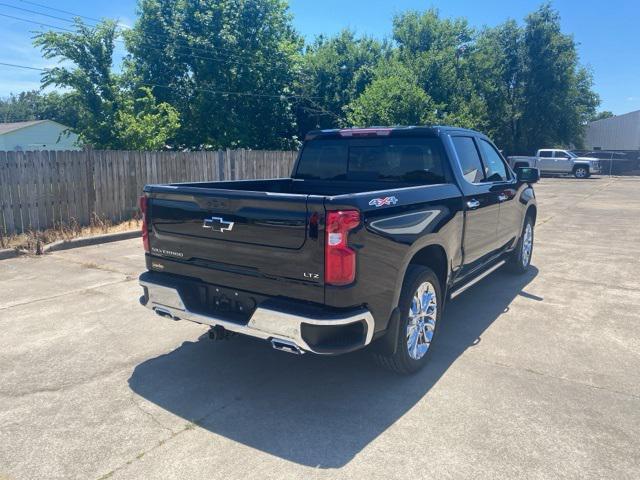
(546, 154)
(495, 171)
(469, 159)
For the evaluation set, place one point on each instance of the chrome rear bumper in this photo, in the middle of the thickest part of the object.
(265, 323)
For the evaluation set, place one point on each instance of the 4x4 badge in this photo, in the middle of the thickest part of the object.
(217, 224)
(380, 202)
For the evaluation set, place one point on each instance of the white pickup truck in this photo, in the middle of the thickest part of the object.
(558, 162)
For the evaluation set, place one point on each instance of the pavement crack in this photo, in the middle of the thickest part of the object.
(593, 283)
(563, 379)
(70, 292)
(150, 415)
(173, 434)
(99, 376)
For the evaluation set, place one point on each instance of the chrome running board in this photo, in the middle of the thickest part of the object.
(466, 286)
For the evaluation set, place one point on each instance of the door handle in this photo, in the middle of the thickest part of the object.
(473, 204)
(502, 197)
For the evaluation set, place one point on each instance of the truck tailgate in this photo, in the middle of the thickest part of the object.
(233, 236)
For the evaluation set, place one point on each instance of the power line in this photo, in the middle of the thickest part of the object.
(37, 13)
(206, 90)
(59, 10)
(156, 36)
(228, 61)
(22, 66)
(221, 92)
(37, 23)
(201, 57)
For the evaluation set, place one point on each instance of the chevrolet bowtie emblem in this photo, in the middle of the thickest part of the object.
(217, 224)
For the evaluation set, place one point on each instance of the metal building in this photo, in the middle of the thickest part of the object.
(619, 133)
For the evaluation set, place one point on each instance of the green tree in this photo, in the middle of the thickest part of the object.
(228, 66)
(102, 103)
(536, 92)
(142, 124)
(334, 72)
(21, 107)
(498, 63)
(90, 51)
(557, 95)
(37, 105)
(438, 53)
(393, 99)
(601, 115)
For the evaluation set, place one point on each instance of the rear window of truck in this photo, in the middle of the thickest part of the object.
(414, 160)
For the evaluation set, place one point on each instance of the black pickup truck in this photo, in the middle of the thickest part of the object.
(375, 230)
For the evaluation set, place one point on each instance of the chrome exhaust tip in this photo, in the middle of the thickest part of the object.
(286, 346)
(164, 313)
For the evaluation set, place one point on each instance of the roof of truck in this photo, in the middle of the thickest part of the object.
(385, 131)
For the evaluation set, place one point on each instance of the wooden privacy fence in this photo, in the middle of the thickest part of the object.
(41, 189)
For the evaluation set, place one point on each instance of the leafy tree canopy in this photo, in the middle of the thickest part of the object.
(393, 100)
(228, 66)
(37, 105)
(108, 114)
(234, 73)
(601, 115)
(334, 72)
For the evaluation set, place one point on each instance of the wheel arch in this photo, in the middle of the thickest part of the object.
(532, 210)
(433, 256)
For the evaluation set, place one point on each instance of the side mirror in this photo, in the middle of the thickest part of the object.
(527, 174)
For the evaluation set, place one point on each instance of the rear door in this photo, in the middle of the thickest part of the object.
(546, 162)
(481, 205)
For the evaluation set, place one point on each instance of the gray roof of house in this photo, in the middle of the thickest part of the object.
(10, 127)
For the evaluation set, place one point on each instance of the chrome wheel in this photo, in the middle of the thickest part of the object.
(527, 244)
(422, 320)
(581, 172)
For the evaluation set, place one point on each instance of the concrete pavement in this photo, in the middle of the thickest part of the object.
(534, 377)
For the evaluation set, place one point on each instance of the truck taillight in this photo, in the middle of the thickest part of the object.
(339, 259)
(145, 227)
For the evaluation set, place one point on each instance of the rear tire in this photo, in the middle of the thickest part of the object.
(521, 257)
(421, 305)
(581, 172)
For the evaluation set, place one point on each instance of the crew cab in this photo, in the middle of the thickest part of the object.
(558, 162)
(375, 230)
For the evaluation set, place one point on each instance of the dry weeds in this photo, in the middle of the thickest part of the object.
(33, 241)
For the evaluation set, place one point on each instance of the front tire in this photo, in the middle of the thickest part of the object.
(421, 304)
(581, 172)
(521, 256)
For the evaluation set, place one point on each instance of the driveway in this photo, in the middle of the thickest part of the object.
(534, 377)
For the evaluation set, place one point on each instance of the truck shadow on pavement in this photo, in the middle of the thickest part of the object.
(311, 410)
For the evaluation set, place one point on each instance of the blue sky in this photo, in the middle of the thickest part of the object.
(607, 32)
